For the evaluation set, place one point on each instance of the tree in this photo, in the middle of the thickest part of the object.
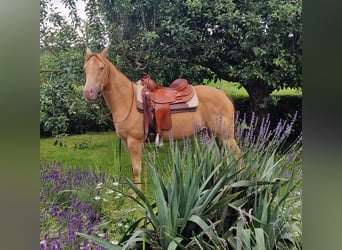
(56, 33)
(256, 43)
(62, 108)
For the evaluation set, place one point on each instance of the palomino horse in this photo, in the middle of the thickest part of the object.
(215, 110)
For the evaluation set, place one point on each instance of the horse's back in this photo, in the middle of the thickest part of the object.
(208, 96)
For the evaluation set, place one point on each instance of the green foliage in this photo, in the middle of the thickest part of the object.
(56, 33)
(210, 201)
(249, 43)
(180, 202)
(201, 198)
(255, 43)
(236, 91)
(63, 110)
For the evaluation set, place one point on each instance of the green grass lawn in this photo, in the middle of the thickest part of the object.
(92, 150)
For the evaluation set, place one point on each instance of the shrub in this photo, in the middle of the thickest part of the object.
(283, 108)
(63, 110)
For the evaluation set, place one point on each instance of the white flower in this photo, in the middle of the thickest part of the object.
(114, 242)
(290, 35)
(119, 224)
(116, 184)
(100, 235)
(104, 199)
(109, 191)
(99, 185)
(126, 226)
(97, 198)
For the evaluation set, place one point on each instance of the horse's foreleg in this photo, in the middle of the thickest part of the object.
(135, 152)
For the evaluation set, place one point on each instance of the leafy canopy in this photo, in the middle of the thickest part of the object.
(256, 43)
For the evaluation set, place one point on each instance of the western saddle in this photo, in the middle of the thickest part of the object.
(159, 102)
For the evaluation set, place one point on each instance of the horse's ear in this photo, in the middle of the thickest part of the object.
(88, 51)
(105, 52)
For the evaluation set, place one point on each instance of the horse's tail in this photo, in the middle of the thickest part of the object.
(234, 113)
(231, 99)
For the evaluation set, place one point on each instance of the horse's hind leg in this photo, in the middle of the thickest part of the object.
(234, 147)
(227, 136)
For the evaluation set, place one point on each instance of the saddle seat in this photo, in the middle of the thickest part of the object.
(178, 91)
(158, 102)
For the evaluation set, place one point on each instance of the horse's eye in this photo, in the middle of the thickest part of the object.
(101, 68)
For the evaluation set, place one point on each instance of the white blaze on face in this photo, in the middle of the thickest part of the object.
(92, 79)
(95, 73)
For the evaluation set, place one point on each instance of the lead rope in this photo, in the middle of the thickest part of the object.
(104, 114)
(108, 114)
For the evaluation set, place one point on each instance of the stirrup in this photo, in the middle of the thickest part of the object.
(159, 141)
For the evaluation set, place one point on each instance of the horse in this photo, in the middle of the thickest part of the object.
(215, 110)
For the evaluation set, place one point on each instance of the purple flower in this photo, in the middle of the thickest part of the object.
(70, 213)
(42, 246)
(71, 234)
(84, 208)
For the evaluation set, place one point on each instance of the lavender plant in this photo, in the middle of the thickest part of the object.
(259, 135)
(76, 201)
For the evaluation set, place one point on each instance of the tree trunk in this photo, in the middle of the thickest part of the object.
(258, 92)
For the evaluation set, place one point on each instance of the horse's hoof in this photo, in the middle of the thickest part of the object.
(159, 141)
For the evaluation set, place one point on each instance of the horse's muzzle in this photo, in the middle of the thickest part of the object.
(90, 93)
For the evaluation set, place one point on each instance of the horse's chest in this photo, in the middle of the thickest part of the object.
(129, 130)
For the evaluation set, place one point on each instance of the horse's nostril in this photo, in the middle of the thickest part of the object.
(86, 92)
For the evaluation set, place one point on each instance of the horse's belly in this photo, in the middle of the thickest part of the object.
(184, 125)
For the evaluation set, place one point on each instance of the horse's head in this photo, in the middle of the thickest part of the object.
(96, 73)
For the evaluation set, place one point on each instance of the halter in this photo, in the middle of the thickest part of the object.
(103, 85)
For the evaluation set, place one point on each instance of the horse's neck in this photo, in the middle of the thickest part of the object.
(118, 93)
